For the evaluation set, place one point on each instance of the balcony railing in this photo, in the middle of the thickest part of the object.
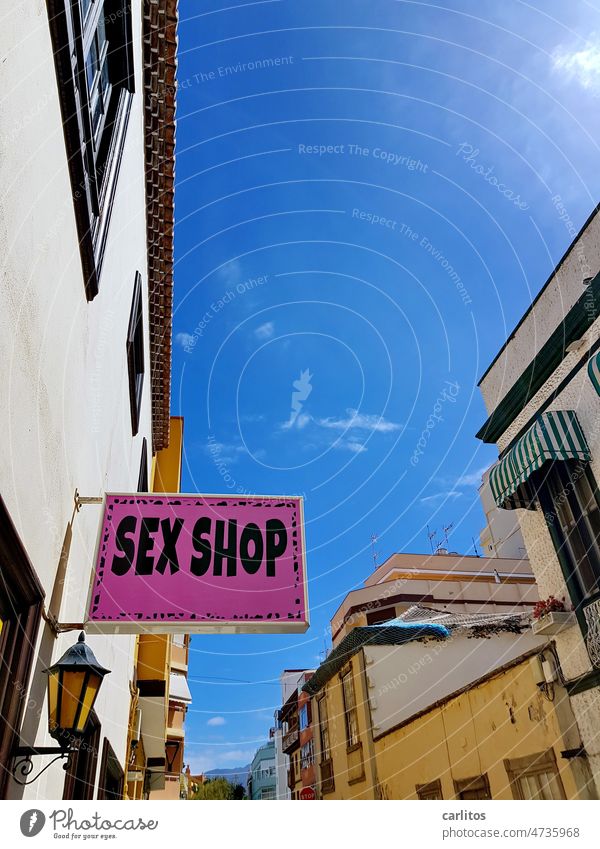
(290, 740)
(592, 618)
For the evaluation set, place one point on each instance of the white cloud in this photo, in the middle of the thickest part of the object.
(360, 421)
(450, 494)
(265, 331)
(299, 422)
(351, 445)
(186, 340)
(472, 479)
(580, 65)
(231, 272)
(204, 758)
(216, 720)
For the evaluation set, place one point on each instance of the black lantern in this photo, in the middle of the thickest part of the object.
(73, 685)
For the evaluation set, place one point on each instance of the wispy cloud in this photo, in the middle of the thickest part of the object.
(231, 272)
(230, 452)
(583, 65)
(448, 495)
(350, 445)
(184, 339)
(360, 421)
(472, 478)
(300, 422)
(265, 331)
(203, 758)
(216, 720)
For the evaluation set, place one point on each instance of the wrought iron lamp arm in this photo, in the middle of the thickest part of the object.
(23, 764)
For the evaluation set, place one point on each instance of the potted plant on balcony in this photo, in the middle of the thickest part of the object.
(551, 616)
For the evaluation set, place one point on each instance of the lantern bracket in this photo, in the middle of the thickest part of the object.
(23, 764)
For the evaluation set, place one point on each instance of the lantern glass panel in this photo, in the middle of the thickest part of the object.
(72, 687)
(88, 699)
(53, 701)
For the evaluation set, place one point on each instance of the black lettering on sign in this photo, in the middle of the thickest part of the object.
(200, 565)
(251, 535)
(276, 544)
(145, 562)
(216, 544)
(223, 553)
(169, 552)
(121, 564)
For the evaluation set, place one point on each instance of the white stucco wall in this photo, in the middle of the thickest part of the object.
(404, 680)
(564, 289)
(502, 535)
(64, 398)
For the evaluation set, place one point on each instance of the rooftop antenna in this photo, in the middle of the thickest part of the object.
(374, 553)
(431, 537)
(477, 554)
(446, 531)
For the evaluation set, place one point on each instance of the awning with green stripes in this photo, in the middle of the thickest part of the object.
(594, 371)
(556, 435)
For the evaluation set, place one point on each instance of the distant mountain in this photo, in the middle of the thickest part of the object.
(236, 775)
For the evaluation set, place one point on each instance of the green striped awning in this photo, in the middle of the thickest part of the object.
(594, 371)
(556, 435)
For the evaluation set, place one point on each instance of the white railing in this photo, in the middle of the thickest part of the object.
(592, 618)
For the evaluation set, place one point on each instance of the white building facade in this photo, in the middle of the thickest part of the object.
(86, 187)
(542, 396)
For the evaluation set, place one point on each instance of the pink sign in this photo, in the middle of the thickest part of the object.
(191, 563)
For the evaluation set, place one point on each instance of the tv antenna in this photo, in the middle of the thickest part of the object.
(446, 530)
(431, 537)
(374, 553)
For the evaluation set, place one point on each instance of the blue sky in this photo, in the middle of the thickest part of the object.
(369, 195)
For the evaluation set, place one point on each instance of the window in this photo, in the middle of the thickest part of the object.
(568, 496)
(535, 777)
(143, 485)
(110, 785)
(135, 354)
(94, 66)
(267, 793)
(473, 788)
(303, 718)
(323, 728)
(350, 714)
(81, 777)
(374, 617)
(432, 790)
(21, 598)
(307, 755)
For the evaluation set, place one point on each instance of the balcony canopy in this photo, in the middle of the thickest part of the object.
(555, 435)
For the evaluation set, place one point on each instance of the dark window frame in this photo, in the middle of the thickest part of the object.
(21, 602)
(80, 779)
(381, 614)
(94, 159)
(135, 354)
(143, 479)
(350, 709)
(432, 790)
(557, 487)
(531, 765)
(476, 784)
(110, 771)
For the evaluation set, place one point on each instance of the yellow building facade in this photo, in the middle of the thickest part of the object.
(506, 734)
